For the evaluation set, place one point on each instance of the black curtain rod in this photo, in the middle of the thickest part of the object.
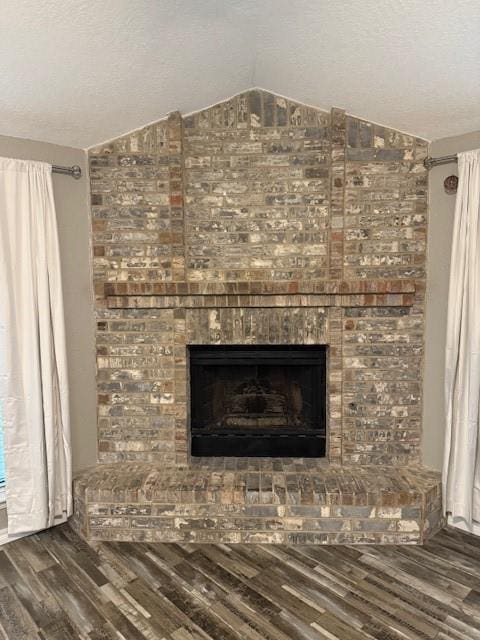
(430, 162)
(74, 171)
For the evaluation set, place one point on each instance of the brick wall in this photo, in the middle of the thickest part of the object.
(260, 220)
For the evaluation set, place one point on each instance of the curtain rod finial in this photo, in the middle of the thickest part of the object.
(428, 162)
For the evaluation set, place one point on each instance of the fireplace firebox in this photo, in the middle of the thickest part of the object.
(258, 400)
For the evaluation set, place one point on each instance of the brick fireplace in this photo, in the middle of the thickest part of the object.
(260, 226)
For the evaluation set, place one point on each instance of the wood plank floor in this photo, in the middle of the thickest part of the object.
(55, 586)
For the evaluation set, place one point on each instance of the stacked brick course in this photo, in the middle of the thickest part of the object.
(260, 221)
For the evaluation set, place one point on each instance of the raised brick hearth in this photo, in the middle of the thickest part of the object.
(258, 500)
(260, 221)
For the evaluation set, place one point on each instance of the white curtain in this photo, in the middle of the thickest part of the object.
(461, 469)
(33, 383)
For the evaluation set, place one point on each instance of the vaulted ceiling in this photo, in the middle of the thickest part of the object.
(79, 72)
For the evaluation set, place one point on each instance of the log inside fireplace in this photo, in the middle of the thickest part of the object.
(258, 400)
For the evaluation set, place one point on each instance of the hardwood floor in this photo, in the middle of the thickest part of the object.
(56, 587)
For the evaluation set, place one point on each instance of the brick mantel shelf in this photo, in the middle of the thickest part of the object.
(372, 293)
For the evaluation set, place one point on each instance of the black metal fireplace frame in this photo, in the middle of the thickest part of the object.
(273, 442)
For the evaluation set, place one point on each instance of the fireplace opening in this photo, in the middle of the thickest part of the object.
(258, 400)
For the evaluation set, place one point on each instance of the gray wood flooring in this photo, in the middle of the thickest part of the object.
(54, 586)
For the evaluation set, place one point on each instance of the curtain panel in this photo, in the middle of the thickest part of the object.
(33, 368)
(461, 468)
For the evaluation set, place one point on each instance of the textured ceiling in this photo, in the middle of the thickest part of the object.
(80, 72)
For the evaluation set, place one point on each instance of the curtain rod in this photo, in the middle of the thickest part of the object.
(74, 171)
(430, 162)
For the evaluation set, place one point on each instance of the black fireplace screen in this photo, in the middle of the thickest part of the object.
(258, 400)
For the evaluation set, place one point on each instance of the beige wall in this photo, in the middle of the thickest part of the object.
(441, 209)
(74, 228)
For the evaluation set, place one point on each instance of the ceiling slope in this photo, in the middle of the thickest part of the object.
(413, 65)
(79, 72)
